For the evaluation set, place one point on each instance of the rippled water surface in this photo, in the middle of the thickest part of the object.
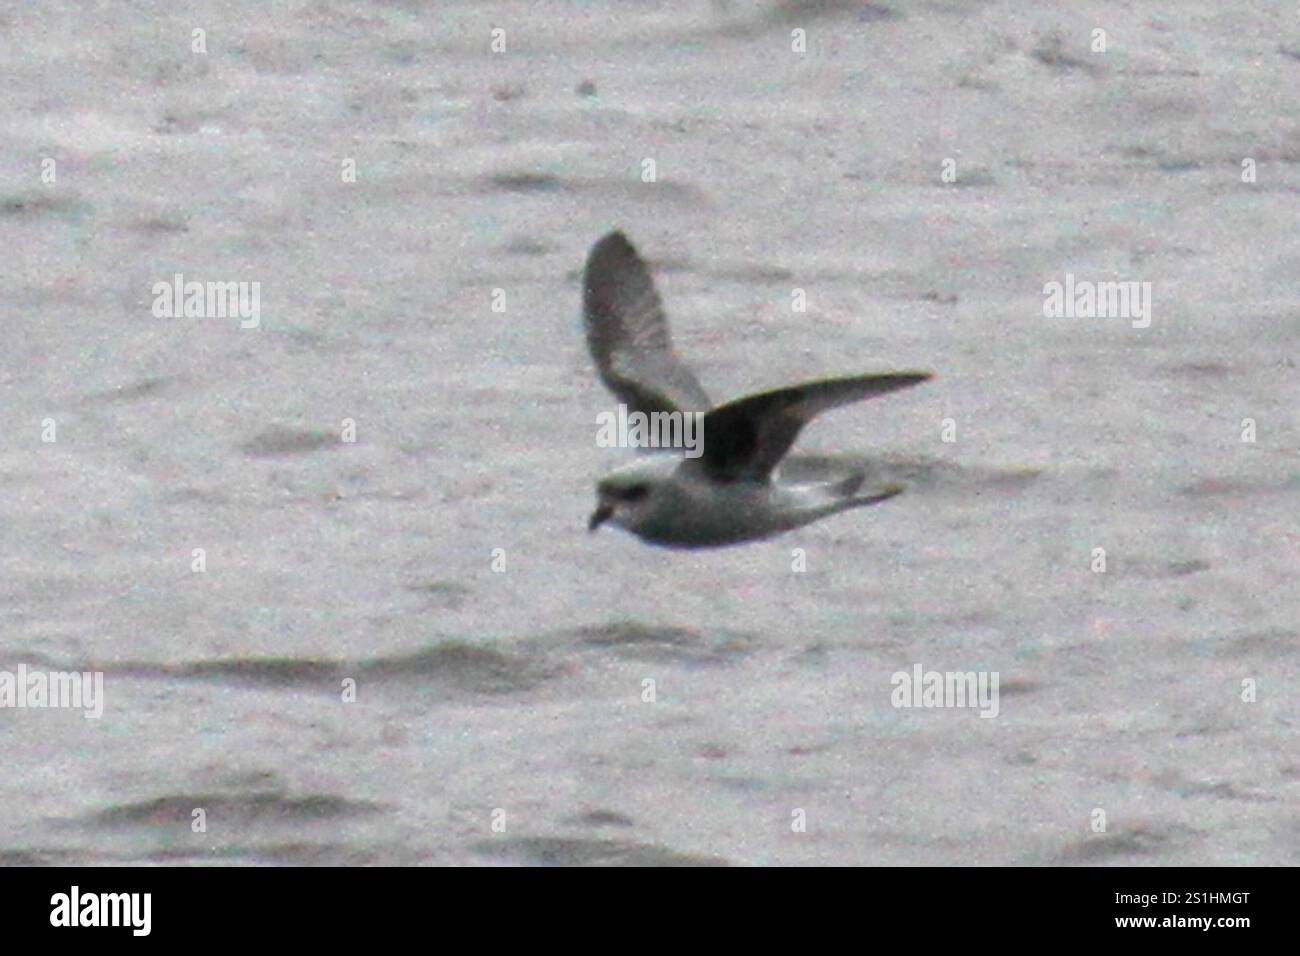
(406, 649)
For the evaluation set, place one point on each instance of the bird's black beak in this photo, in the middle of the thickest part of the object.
(600, 516)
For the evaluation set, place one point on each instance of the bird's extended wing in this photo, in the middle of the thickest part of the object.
(627, 333)
(745, 439)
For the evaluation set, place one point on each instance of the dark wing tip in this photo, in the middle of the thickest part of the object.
(612, 258)
(614, 241)
(884, 494)
(855, 387)
(883, 381)
(892, 381)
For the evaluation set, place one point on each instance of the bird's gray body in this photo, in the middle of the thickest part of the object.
(686, 509)
(726, 495)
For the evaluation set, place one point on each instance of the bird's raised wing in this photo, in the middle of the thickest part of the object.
(745, 439)
(627, 333)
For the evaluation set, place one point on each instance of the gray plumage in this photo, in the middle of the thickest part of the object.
(627, 333)
(726, 495)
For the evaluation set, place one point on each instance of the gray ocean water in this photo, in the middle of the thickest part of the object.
(439, 564)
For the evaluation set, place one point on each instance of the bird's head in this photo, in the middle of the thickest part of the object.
(627, 496)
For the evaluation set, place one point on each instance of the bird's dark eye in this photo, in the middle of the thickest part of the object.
(636, 493)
